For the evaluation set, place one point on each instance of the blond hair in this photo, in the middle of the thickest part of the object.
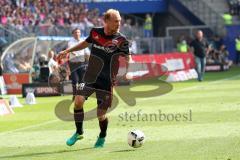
(108, 14)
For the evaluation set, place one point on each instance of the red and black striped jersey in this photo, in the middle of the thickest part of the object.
(105, 53)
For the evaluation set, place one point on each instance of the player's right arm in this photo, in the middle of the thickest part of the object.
(80, 46)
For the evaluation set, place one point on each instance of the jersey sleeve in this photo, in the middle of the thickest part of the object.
(124, 47)
(89, 38)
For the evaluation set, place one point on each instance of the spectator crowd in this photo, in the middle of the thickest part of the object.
(54, 17)
(29, 14)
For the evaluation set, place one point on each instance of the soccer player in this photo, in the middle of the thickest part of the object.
(107, 45)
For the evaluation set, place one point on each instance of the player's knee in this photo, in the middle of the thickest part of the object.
(79, 100)
(101, 114)
(105, 104)
(102, 117)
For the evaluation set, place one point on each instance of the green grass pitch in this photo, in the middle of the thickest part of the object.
(213, 133)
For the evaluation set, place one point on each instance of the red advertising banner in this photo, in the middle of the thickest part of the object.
(14, 82)
(151, 65)
(186, 58)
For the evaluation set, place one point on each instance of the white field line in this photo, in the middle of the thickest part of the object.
(30, 127)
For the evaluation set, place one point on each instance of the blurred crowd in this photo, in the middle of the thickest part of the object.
(27, 14)
(218, 53)
(53, 16)
(234, 7)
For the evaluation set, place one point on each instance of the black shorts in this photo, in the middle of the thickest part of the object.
(77, 72)
(103, 89)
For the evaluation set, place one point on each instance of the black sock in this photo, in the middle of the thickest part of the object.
(103, 127)
(78, 117)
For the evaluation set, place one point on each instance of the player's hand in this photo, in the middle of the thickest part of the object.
(62, 54)
(73, 53)
(128, 76)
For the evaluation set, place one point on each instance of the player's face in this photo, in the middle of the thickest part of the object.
(113, 23)
(77, 34)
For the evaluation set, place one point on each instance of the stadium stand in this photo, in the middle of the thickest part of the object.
(56, 17)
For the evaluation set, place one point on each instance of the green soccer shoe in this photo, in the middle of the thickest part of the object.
(75, 137)
(99, 143)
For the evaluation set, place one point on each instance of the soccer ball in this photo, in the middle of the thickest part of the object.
(136, 138)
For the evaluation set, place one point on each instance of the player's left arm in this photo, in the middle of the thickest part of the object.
(128, 59)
